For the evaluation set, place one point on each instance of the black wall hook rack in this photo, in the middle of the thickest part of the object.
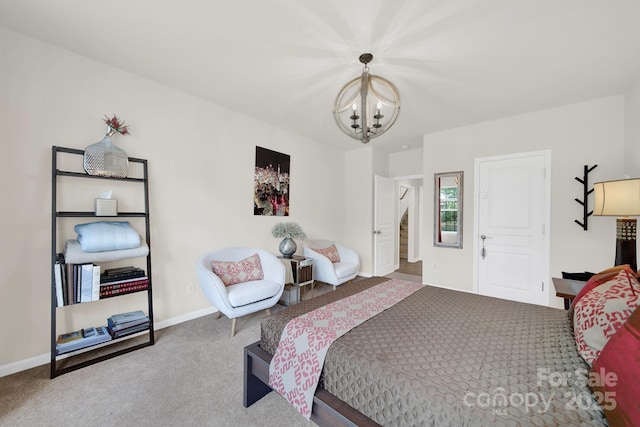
(585, 197)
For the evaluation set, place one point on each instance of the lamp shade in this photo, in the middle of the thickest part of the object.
(617, 198)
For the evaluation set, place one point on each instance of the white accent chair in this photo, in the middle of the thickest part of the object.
(332, 273)
(242, 298)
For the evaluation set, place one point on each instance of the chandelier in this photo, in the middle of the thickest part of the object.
(364, 103)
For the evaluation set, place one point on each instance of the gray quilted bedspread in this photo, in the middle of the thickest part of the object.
(449, 358)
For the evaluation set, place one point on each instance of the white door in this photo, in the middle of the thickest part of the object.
(512, 242)
(384, 242)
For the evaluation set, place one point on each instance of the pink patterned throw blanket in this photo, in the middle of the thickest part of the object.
(296, 366)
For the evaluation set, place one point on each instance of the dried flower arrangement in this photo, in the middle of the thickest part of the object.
(288, 229)
(115, 125)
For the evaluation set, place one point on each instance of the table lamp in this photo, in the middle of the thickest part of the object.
(620, 198)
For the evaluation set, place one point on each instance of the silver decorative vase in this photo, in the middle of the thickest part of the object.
(288, 247)
(105, 159)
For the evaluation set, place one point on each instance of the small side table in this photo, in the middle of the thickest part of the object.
(567, 289)
(298, 273)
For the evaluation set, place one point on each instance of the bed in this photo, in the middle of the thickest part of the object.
(441, 357)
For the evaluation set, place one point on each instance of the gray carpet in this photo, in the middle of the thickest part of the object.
(192, 376)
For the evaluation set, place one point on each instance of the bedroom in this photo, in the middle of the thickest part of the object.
(51, 96)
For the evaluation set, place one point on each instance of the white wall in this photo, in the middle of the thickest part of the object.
(632, 131)
(406, 163)
(380, 160)
(201, 163)
(587, 133)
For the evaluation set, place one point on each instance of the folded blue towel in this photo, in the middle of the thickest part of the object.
(107, 236)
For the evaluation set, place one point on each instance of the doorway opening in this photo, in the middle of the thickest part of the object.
(406, 267)
(409, 208)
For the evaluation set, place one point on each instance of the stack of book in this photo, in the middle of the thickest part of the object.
(122, 280)
(127, 323)
(76, 283)
(81, 339)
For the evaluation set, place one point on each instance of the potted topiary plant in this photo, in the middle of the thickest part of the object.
(288, 231)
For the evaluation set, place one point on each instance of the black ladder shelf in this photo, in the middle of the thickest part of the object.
(67, 364)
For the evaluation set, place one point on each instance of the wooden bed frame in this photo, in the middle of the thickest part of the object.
(327, 409)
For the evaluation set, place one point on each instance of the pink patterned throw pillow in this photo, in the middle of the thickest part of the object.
(330, 252)
(602, 311)
(244, 270)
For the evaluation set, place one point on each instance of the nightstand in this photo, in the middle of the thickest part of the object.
(298, 274)
(567, 289)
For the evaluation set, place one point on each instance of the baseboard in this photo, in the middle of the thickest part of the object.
(452, 289)
(23, 365)
(44, 359)
(184, 318)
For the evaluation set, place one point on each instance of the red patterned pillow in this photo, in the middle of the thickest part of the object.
(597, 280)
(330, 252)
(614, 376)
(236, 272)
(602, 311)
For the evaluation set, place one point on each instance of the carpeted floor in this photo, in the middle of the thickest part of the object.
(192, 376)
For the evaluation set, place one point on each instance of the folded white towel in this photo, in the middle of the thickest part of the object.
(73, 253)
(107, 236)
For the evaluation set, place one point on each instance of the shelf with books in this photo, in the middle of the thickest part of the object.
(79, 340)
(96, 278)
(125, 324)
(80, 283)
(118, 326)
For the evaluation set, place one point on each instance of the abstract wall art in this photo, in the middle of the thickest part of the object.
(271, 183)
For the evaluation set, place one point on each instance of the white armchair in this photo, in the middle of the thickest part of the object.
(241, 298)
(324, 270)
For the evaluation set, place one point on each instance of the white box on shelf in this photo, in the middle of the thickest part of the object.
(106, 207)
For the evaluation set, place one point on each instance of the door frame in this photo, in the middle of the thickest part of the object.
(546, 212)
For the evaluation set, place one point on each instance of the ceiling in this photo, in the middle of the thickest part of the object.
(454, 62)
